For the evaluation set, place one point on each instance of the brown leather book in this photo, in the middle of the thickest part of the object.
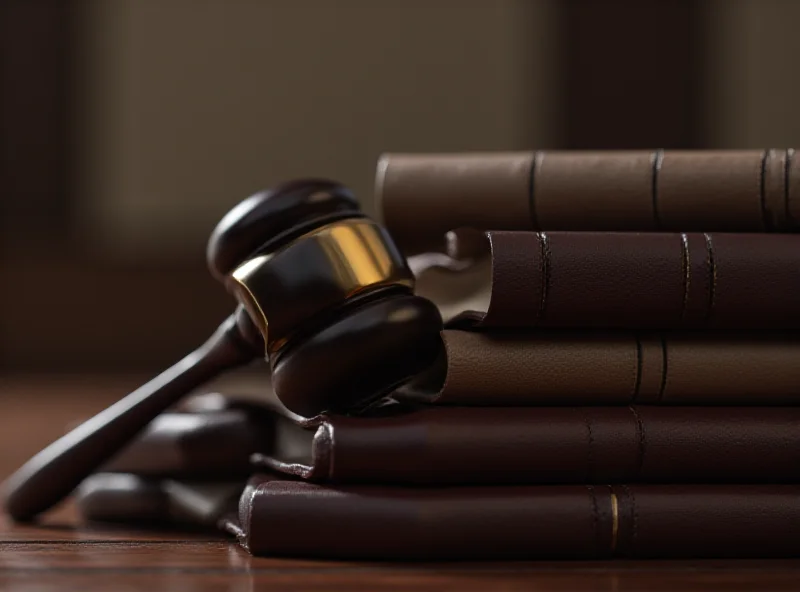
(591, 522)
(572, 367)
(279, 517)
(656, 281)
(276, 514)
(423, 196)
(427, 445)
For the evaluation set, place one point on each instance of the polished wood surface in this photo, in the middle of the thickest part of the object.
(62, 554)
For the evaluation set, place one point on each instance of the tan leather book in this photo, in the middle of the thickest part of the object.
(548, 367)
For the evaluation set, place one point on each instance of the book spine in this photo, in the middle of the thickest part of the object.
(530, 368)
(656, 281)
(494, 445)
(543, 522)
(423, 196)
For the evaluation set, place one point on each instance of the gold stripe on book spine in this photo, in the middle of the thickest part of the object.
(614, 521)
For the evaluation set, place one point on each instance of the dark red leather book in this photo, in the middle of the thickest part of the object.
(555, 522)
(427, 445)
(641, 281)
(273, 516)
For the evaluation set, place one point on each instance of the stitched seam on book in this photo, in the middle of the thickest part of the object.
(589, 451)
(595, 520)
(664, 368)
(625, 546)
(787, 167)
(642, 443)
(545, 273)
(531, 192)
(712, 272)
(686, 272)
(635, 519)
(635, 513)
(762, 194)
(657, 160)
(637, 376)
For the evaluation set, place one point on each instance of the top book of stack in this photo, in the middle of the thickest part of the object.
(422, 197)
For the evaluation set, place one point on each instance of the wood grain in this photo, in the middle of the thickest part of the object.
(61, 554)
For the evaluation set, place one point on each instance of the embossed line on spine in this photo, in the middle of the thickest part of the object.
(532, 191)
(787, 167)
(657, 160)
(687, 272)
(762, 193)
(712, 275)
(637, 379)
(634, 515)
(595, 521)
(589, 450)
(664, 368)
(545, 246)
(642, 442)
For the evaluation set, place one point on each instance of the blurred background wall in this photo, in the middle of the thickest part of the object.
(128, 127)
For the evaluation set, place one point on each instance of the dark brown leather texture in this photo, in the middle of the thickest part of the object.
(419, 199)
(655, 281)
(536, 522)
(430, 445)
(554, 445)
(423, 196)
(572, 367)
(424, 517)
(282, 517)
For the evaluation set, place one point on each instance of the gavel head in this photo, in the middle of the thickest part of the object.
(330, 293)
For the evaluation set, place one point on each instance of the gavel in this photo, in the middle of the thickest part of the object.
(323, 294)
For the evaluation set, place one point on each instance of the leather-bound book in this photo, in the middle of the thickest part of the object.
(640, 281)
(423, 196)
(572, 367)
(536, 522)
(272, 514)
(485, 445)
(275, 516)
(428, 445)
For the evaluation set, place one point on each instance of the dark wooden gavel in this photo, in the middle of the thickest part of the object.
(323, 294)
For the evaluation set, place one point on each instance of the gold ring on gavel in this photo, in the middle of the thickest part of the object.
(317, 272)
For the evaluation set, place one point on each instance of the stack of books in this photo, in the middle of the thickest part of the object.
(619, 376)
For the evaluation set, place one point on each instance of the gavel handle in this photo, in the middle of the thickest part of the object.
(56, 471)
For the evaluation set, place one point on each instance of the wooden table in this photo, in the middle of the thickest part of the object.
(62, 555)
